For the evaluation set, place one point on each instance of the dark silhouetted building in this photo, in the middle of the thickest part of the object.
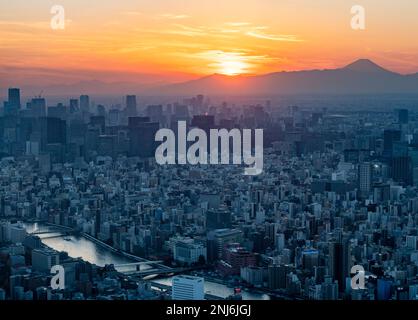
(142, 137)
(38, 107)
(85, 103)
(389, 138)
(131, 106)
(403, 116)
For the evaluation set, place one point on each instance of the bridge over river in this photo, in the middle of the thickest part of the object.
(132, 265)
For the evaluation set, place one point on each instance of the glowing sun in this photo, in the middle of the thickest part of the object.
(228, 63)
(232, 67)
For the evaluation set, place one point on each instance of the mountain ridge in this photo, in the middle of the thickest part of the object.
(362, 76)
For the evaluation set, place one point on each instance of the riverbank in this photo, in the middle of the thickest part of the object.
(90, 251)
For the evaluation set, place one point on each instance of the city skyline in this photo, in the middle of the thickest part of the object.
(179, 150)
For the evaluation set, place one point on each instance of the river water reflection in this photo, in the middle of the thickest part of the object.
(77, 246)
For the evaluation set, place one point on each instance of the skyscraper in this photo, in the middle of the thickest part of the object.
(38, 107)
(204, 122)
(339, 262)
(131, 105)
(365, 178)
(73, 105)
(85, 103)
(389, 137)
(218, 219)
(56, 130)
(43, 259)
(402, 169)
(14, 98)
(98, 222)
(142, 138)
(403, 116)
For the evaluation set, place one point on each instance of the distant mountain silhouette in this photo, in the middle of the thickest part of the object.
(365, 65)
(360, 77)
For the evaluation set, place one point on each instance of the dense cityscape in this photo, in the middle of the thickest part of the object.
(338, 189)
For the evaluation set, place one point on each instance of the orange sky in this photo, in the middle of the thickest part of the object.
(201, 37)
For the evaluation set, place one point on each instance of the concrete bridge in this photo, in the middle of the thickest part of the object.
(137, 265)
(159, 271)
(158, 267)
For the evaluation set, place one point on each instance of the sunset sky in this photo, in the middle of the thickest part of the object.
(201, 37)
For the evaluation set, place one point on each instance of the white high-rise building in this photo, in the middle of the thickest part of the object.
(188, 288)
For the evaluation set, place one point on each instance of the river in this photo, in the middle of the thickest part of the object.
(77, 246)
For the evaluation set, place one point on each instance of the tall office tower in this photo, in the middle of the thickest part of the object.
(85, 103)
(381, 192)
(38, 107)
(402, 169)
(155, 112)
(277, 276)
(54, 130)
(98, 222)
(44, 259)
(217, 239)
(403, 116)
(142, 138)
(389, 138)
(399, 149)
(413, 154)
(98, 122)
(204, 122)
(58, 111)
(106, 145)
(168, 109)
(14, 98)
(73, 105)
(114, 117)
(197, 104)
(365, 178)
(339, 262)
(330, 289)
(188, 288)
(310, 259)
(131, 106)
(218, 219)
(181, 111)
(101, 110)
